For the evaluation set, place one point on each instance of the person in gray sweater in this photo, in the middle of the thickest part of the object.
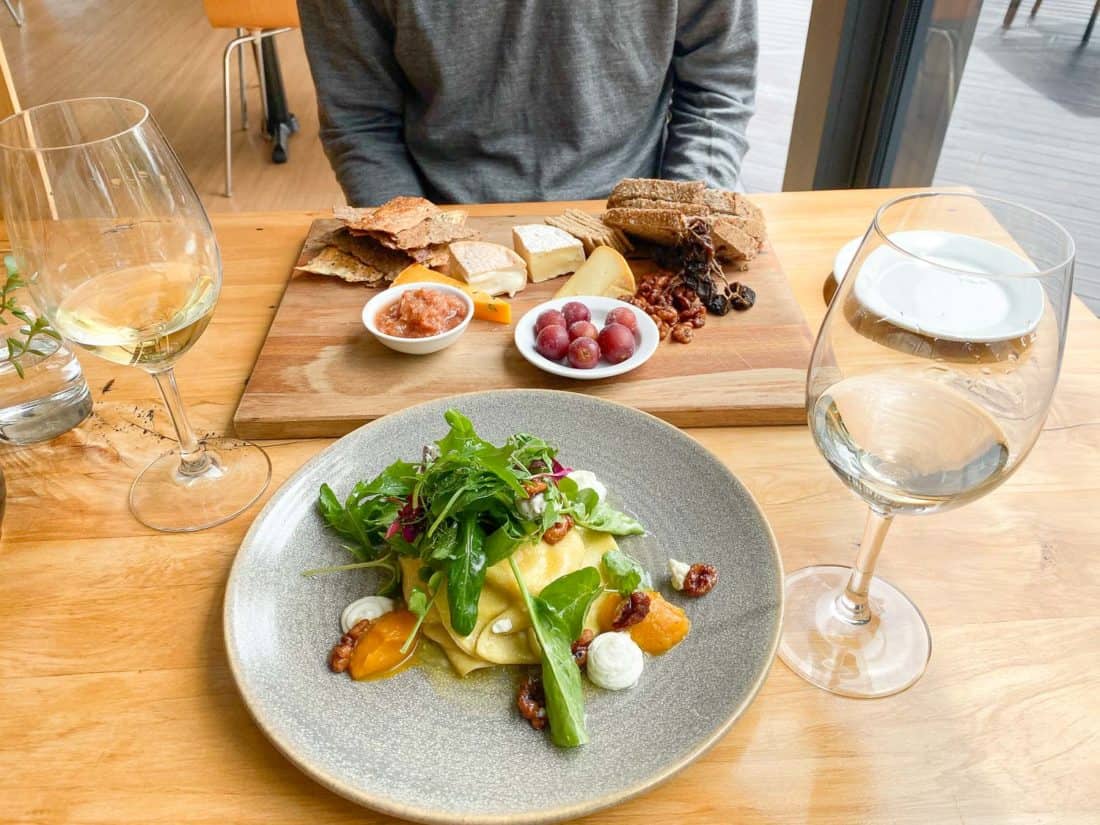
(465, 101)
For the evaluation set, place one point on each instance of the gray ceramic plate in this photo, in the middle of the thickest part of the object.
(427, 746)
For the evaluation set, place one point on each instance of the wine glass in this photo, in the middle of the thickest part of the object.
(929, 383)
(120, 257)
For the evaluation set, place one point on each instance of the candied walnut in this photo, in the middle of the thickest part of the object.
(700, 579)
(699, 320)
(668, 315)
(631, 610)
(663, 330)
(557, 532)
(531, 701)
(683, 333)
(580, 647)
(533, 487)
(340, 657)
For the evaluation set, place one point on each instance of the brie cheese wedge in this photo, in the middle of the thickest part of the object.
(487, 267)
(548, 251)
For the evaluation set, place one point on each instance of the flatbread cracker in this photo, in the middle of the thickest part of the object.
(331, 261)
(366, 249)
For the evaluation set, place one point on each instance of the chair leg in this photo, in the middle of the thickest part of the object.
(1035, 8)
(1092, 23)
(16, 10)
(1010, 14)
(240, 84)
(227, 60)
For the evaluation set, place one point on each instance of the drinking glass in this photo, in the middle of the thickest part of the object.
(119, 256)
(929, 383)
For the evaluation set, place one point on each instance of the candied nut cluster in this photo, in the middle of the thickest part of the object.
(631, 610)
(340, 657)
(580, 647)
(557, 532)
(700, 579)
(533, 487)
(531, 701)
(674, 307)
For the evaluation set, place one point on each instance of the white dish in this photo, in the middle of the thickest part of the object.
(647, 338)
(997, 303)
(415, 346)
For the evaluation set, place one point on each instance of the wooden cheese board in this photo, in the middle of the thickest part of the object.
(321, 374)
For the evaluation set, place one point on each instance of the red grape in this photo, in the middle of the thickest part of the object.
(584, 353)
(616, 343)
(552, 342)
(582, 329)
(624, 316)
(550, 318)
(575, 311)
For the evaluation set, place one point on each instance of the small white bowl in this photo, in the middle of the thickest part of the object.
(647, 339)
(415, 346)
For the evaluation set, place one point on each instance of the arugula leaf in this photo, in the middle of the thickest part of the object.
(569, 597)
(623, 573)
(418, 602)
(561, 678)
(466, 575)
(606, 519)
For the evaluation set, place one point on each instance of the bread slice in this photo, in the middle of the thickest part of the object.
(687, 209)
(666, 227)
(659, 190)
(731, 241)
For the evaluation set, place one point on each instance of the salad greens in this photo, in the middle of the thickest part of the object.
(557, 616)
(458, 511)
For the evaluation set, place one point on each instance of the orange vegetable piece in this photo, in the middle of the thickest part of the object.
(486, 307)
(664, 627)
(378, 652)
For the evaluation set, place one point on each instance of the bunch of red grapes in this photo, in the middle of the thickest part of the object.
(569, 334)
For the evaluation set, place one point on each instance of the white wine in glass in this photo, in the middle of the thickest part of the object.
(120, 257)
(930, 380)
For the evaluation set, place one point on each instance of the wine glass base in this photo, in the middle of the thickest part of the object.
(879, 658)
(165, 499)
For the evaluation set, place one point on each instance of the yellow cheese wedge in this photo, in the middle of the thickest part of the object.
(486, 307)
(606, 272)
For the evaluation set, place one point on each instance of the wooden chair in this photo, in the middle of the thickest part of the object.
(9, 100)
(1014, 6)
(253, 20)
(16, 11)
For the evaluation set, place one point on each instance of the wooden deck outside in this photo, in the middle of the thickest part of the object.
(1026, 124)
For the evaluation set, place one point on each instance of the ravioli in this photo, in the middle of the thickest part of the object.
(539, 564)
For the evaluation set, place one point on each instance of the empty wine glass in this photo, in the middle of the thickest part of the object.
(929, 383)
(120, 257)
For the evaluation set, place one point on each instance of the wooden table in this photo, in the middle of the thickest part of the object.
(116, 703)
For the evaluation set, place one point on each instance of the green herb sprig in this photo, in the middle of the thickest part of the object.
(32, 329)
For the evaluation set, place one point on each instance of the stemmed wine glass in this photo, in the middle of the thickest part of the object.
(120, 257)
(930, 380)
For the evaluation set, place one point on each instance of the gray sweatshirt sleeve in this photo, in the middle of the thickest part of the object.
(713, 93)
(359, 99)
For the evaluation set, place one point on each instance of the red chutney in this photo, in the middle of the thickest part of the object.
(420, 313)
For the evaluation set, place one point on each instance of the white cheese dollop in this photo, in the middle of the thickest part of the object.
(586, 480)
(614, 661)
(368, 607)
(502, 626)
(531, 508)
(676, 572)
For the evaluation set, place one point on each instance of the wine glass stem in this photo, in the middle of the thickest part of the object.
(853, 604)
(193, 457)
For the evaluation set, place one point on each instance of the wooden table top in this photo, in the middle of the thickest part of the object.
(117, 706)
